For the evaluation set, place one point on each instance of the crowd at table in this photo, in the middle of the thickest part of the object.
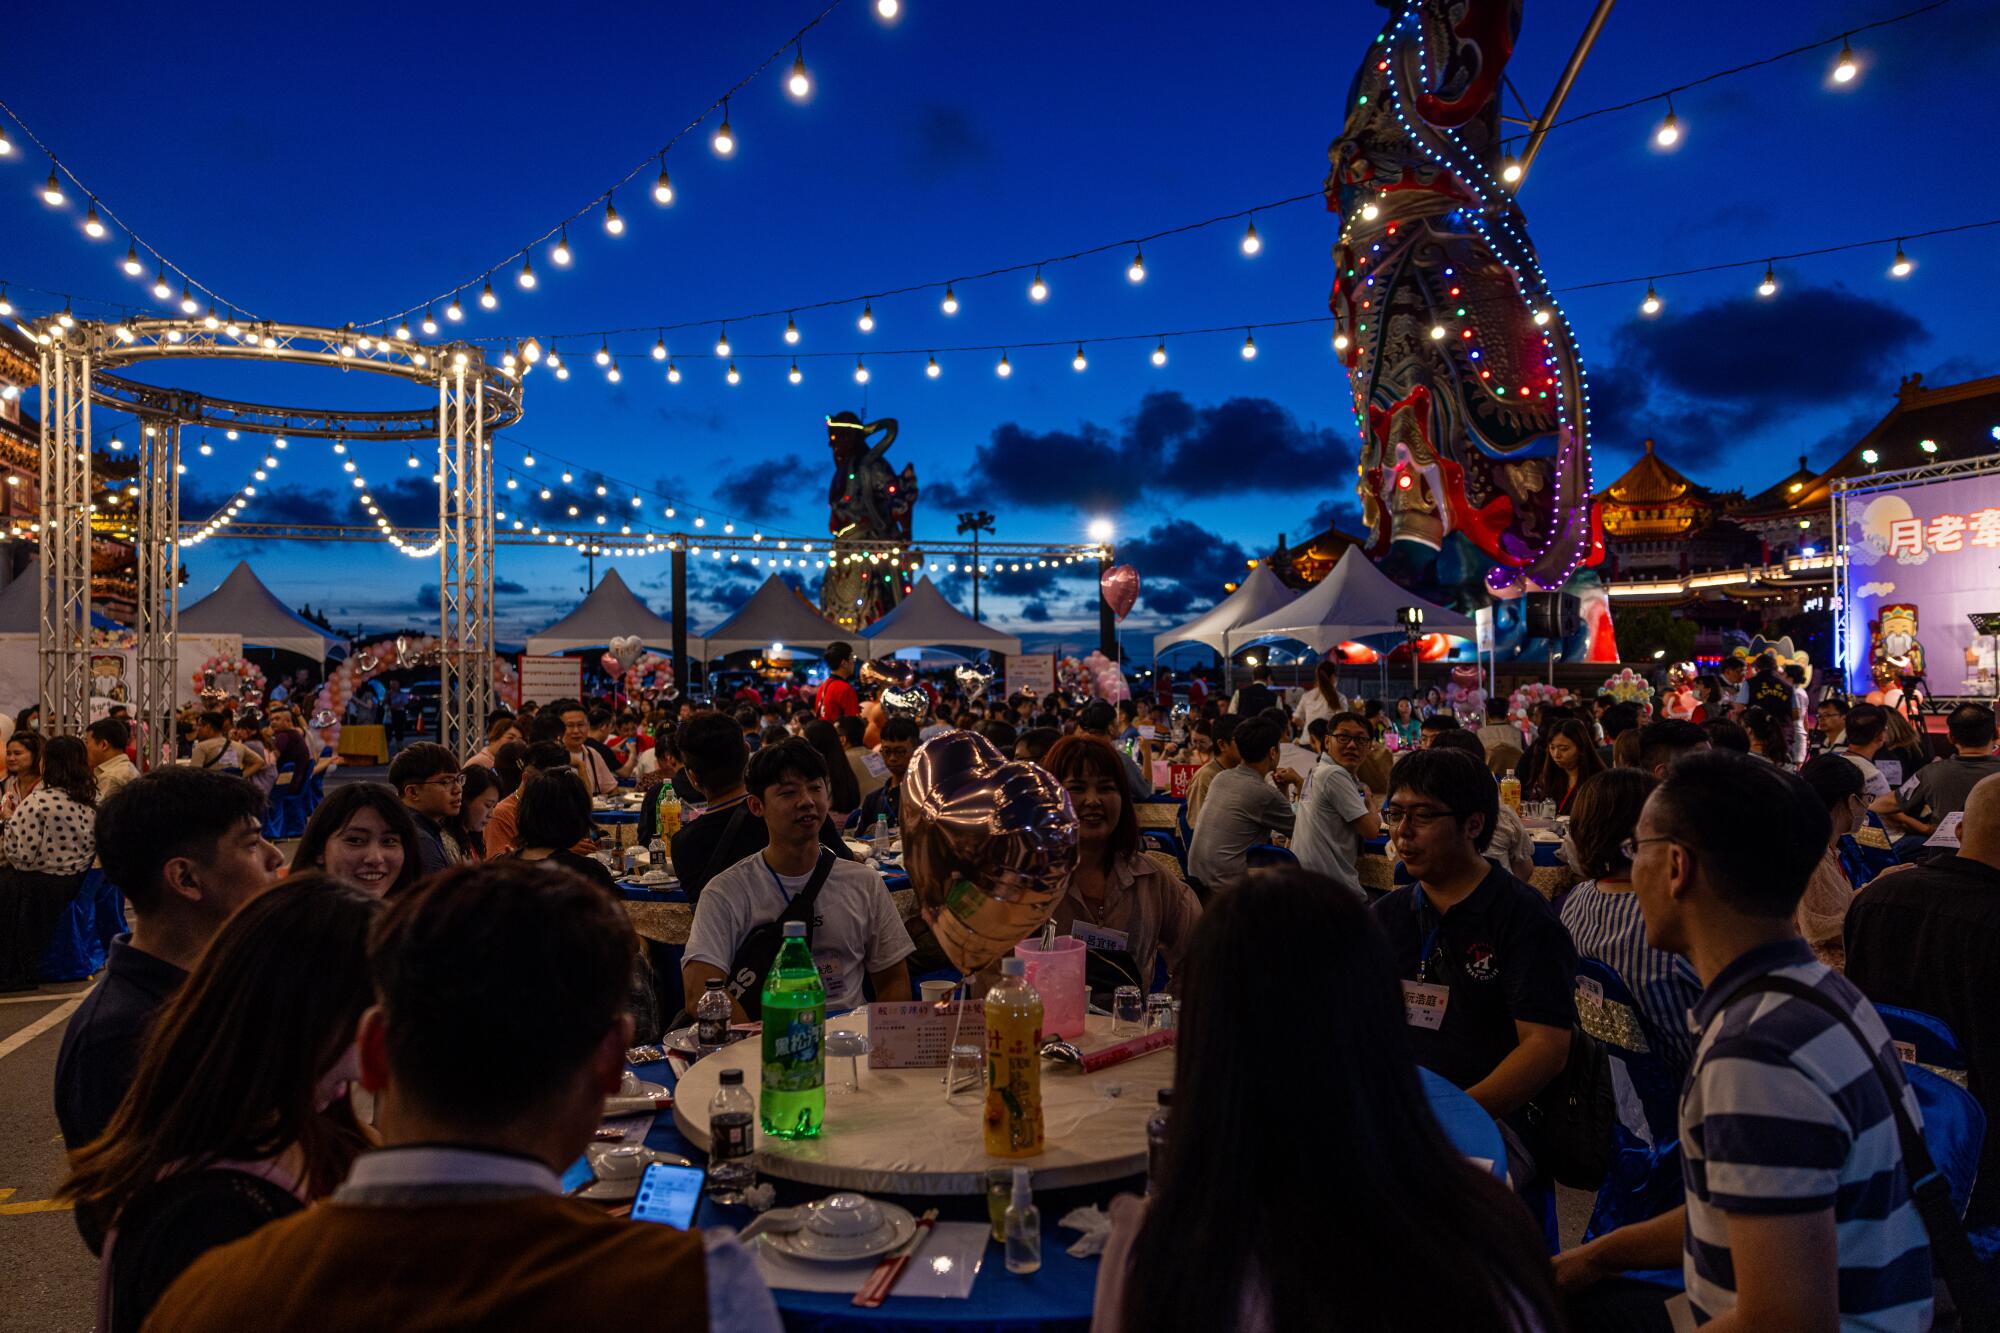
(347, 1088)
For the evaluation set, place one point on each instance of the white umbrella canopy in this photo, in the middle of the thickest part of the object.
(1353, 601)
(775, 613)
(924, 619)
(243, 605)
(611, 610)
(1256, 597)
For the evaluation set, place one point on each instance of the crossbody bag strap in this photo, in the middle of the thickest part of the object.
(800, 908)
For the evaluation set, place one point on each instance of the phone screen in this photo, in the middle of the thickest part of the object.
(668, 1195)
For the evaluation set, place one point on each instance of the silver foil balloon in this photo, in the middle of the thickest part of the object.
(975, 679)
(908, 701)
(324, 718)
(989, 842)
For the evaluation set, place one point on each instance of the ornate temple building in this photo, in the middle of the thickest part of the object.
(1656, 521)
(1307, 563)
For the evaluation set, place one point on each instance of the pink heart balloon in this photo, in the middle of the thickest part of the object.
(611, 665)
(1121, 589)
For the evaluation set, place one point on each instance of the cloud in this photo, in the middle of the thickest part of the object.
(1343, 513)
(1035, 613)
(761, 490)
(507, 587)
(1184, 552)
(1875, 590)
(949, 495)
(944, 139)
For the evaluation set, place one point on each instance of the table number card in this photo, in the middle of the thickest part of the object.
(916, 1034)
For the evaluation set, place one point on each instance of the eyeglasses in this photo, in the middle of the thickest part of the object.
(1629, 849)
(1394, 815)
(1350, 738)
(453, 782)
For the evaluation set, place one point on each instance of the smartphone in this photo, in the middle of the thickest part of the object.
(668, 1195)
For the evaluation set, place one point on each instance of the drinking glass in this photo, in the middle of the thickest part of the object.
(1162, 1012)
(999, 1193)
(965, 1072)
(1128, 1012)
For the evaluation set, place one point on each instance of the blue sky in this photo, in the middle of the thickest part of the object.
(339, 163)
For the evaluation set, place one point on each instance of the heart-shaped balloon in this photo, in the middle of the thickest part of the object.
(626, 648)
(324, 718)
(905, 701)
(610, 663)
(1121, 589)
(974, 679)
(990, 844)
(874, 675)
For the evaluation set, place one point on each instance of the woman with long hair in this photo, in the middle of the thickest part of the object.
(1901, 744)
(362, 834)
(24, 771)
(47, 845)
(1568, 757)
(503, 729)
(843, 789)
(509, 761)
(238, 1113)
(1821, 915)
(1140, 912)
(1770, 735)
(1323, 699)
(1416, 1236)
(468, 827)
(1406, 722)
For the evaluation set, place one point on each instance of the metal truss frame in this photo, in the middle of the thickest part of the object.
(158, 551)
(63, 635)
(465, 563)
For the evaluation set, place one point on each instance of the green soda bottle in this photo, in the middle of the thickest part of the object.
(794, 1102)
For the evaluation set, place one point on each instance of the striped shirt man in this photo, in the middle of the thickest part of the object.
(1607, 926)
(1784, 1113)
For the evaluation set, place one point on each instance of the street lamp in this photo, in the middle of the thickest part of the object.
(975, 522)
(1411, 618)
(1101, 531)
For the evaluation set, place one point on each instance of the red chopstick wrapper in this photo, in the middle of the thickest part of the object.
(1128, 1050)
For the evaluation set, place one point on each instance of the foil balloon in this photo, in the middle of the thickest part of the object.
(990, 844)
(1120, 585)
(324, 718)
(975, 679)
(904, 701)
(626, 649)
(611, 664)
(402, 644)
(366, 663)
(874, 676)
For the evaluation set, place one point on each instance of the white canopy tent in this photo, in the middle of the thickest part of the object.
(925, 619)
(1256, 597)
(1353, 601)
(775, 613)
(243, 606)
(612, 610)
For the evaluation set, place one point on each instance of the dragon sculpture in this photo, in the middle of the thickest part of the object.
(1469, 394)
(868, 503)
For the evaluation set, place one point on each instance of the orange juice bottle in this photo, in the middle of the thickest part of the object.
(1013, 1064)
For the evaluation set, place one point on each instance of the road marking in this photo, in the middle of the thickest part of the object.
(31, 1205)
(51, 998)
(38, 1027)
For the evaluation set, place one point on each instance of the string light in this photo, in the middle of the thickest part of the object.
(1651, 305)
(867, 321)
(791, 331)
(732, 376)
(660, 347)
(402, 331)
(1769, 286)
(724, 142)
(93, 226)
(1249, 346)
(663, 188)
(160, 289)
(188, 304)
(722, 341)
(430, 324)
(1252, 242)
(131, 265)
(1079, 361)
(1136, 270)
(52, 193)
(526, 277)
(673, 372)
(1038, 290)
(799, 83)
(931, 367)
(1160, 353)
(454, 312)
(603, 359)
(860, 372)
(6, 144)
(1669, 132)
(1437, 333)
(561, 254)
(1370, 210)
(1004, 369)
(487, 298)
(950, 303)
(1900, 266)
(1844, 67)
(613, 374)
(613, 223)
(794, 375)
(888, 9)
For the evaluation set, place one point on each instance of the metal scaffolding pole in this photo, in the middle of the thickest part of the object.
(158, 554)
(63, 646)
(465, 562)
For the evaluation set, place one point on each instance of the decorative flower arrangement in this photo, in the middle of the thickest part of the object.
(1522, 702)
(1628, 687)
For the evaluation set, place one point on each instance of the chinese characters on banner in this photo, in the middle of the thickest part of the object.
(1946, 533)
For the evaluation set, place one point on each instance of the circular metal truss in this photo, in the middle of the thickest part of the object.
(132, 342)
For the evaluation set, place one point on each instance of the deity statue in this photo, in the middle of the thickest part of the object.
(1468, 388)
(868, 504)
(1894, 655)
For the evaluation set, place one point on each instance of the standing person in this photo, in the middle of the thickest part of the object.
(1131, 906)
(238, 1112)
(1255, 697)
(1323, 699)
(1414, 1195)
(213, 745)
(1795, 676)
(458, 1220)
(1735, 688)
(105, 742)
(835, 698)
(257, 765)
(843, 791)
(555, 817)
(476, 802)
(1336, 816)
(48, 844)
(1568, 757)
(1473, 941)
(1798, 1211)
(363, 834)
(898, 747)
(574, 724)
(289, 753)
(186, 847)
(427, 778)
(854, 928)
(1224, 758)
(24, 771)
(1242, 809)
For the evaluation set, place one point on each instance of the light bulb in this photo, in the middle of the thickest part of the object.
(568, 476)
(188, 304)
(613, 374)
(1370, 210)
(1900, 266)
(561, 254)
(132, 266)
(6, 144)
(454, 312)
(1249, 346)
(93, 226)
(612, 222)
(1769, 286)
(402, 331)
(486, 297)
(660, 348)
(66, 319)
(663, 188)
(733, 377)
(413, 459)
(603, 354)
(531, 351)
(1004, 369)
(722, 341)
(1669, 132)
(1252, 242)
(528, 460)
(724, 142)
(673, 372)
(7, 312)
(794, 375)
(1079, 361)
(1651, 305)
(1870, 457)
(867, 321)
(1437, 332)
(791, 332)
(799, 84)
(1038, 290)
(888, 9)
(1928, 446)
(932, 368)
(1160, 353)
(430, 324)
(1510, 170)
(1845, 68)
(52, 194)
(860, 372)
(211, 320)
(1541, 319)
(1136, 270)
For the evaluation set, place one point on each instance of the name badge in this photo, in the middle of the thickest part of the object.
(1424, 1004)
(1906, 1052)
(1099, 937)
(1891, 771)
(876, 766)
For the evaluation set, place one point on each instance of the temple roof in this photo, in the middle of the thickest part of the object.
(1651, 481)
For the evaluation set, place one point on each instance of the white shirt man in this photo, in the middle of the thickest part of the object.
(1336, 815)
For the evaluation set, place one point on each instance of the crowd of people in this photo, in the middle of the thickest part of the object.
(278, 1091)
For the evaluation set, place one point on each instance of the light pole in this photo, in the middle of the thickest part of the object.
(1101, 532)
(975, 522)
(1411, 618)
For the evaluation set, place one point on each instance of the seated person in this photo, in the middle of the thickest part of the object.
(1512, 847)
(1474, 942)
(238, 1113)
(555, 816)
(427, 778)
(361, 834)
(1940, 787)
(1662, 743)
(1335, 815)
(1434, 726)
(1822, 910)
(498, 835)
(854, 927)
(1222, 733)
(458, 1220)
(713, 748)
(1242, 808)
(899, 744)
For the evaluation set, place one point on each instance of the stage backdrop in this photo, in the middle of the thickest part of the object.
(1920, 560)
(113, 670)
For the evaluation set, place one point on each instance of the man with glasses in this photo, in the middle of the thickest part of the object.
(426, 776)
(1488, 971)
(1336, 817)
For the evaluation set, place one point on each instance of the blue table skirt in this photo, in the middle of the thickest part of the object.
(1061, 1295)
(614, 816)
(83, 936)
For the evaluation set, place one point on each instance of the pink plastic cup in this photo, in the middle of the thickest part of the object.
(1057, 975)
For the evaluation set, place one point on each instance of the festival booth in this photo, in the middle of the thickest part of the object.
(244, 607)
(1355, 601)
(775, 614)
(1260, 595)
(610, 611)
(924, 619)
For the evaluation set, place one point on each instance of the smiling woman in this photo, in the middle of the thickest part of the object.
(362, 834)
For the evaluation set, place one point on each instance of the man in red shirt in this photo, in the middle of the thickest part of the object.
(836, 697)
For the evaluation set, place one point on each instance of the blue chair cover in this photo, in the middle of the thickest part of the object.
(1954, 1129)
(1645, 1176)
(1166, 842)
(1936, 1044)
(1268, 854)
(83, 936)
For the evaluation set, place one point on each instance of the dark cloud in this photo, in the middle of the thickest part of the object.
(1035, 612)
(944, 139)
(1173, 599)
(761, 490)
(426, 598)
(271, 504)
(950, 496)
(1342, 513)
(1081, 469)
(1183, 552)
(507, 586)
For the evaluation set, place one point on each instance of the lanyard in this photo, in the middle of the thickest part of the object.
(1430, 940)
(782, 891)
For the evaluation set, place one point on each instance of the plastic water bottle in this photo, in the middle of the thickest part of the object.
(878, 837)
(712, 1013)
(1156, 1142)
(732, 1140)
(1024, 1227)
(793, 1104)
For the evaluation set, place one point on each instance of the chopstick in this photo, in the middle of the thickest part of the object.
(887, 1273)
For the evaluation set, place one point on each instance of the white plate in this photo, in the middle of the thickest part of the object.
(898, 1226)
(636, 1102)
(860, 849)
(617, 1190)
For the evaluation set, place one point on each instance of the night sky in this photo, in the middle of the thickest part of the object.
(341, 163)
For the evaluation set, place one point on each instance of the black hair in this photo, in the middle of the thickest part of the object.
(1458, 738)
(1455, 780)
(66, 767)
(1496, 709)
(112, 731)
(508, 763)
(1039, 740)
(1002, 734)
(1604, 814)
(789, 758)
(1755, 830)
(1866, 723)
(479, 780)
(341, 804)
(562, 706)
(1437, 722)
(1097, 716)
(1255, 739)
(170, 812)
(554, 811)
(1795, 673)
(842, 787)
(853, 730)
(900, 729)
(1224, 728)
(420, 763)
(1260, 673)
(1836, 703)
(1619, 719)
(1724, 734)
(1768, 731)
(544, 755)
(1666, 740)
(713, 748)
(598, 716)
(547, 727)
(1833, 778)
(1971, 726)
(837, 652)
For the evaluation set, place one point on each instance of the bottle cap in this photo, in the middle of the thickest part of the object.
(732, 1078)
(713, 983)
(1013, 967)
(795, 930)
(1022, 1192)
(1166, 1096)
